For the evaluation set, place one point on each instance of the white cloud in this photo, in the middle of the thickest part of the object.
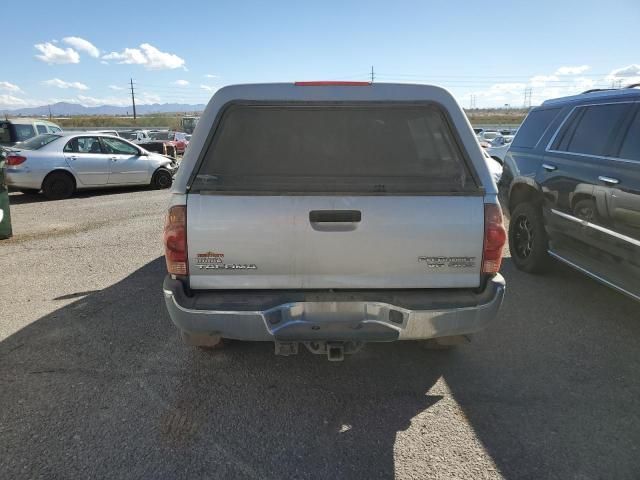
(576, 70)
(147, 55)
(181, 83)
(119, 101)
(209, 88)
(127, 56)
(10, 87)
(52, 54)
(626, 72)
(210, 75)
(115, 87)
(56, 82)
(9, 101)
(146, 98)
(88, 101)
(621, 77)
(82, 45)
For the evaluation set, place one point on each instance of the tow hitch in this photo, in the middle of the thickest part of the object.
(335, 351)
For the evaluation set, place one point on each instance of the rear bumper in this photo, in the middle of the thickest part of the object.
(357, 315)
(22, 178)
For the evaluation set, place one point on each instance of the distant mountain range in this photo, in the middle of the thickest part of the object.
(62, 109)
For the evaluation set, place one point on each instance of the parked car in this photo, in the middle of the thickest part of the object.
(181, 141)
(20, 129)
(147, 140)
(494, 165)
(487, 135)
(136, 136)
(501, 140)
(113, 133)
(61, 164)
(498, 153)
(178, 139)
(330, 214)
(498, 147)
(571, 184)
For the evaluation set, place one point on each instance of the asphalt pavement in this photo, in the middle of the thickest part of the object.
(95, 383)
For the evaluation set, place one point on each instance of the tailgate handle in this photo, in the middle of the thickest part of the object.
(335, 216)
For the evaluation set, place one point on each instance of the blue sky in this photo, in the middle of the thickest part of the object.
(182, 51)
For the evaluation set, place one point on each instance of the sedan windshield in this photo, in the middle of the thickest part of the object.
(37, 142)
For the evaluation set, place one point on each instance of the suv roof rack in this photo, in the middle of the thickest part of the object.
(633, 85)
(597, 90)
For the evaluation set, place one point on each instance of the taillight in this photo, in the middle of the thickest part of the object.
(175, 240)
(495, 237)
(15, 159)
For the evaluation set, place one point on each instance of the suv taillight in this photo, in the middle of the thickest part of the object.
(15, 159)
(495, 237)
(175, 240)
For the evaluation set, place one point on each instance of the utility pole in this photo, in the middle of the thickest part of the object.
(527, 97)
(373, 75)
(50, 116)
(133, 100)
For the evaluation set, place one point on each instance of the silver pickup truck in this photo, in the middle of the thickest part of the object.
(331, 214)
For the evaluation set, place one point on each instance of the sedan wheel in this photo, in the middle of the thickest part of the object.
(58, 185)
(161, 179)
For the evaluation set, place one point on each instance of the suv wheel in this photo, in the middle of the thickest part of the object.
(528, 241)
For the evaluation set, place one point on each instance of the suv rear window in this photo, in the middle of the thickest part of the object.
(533, 128)
(334, 149)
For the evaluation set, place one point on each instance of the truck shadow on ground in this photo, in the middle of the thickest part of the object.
(102, 387)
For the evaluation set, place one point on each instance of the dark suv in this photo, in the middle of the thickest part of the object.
(571, 185)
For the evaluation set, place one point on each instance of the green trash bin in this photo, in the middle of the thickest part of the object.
(5, 214)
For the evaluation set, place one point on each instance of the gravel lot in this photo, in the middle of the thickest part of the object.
(94, 382)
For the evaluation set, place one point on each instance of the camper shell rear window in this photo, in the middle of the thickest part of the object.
(302, 148)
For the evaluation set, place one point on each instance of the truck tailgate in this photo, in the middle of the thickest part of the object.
(269, 242)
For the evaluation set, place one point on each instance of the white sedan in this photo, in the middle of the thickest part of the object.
(495, 166)
(61, 164)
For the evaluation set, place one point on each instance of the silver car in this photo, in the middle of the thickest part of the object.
(61, 164)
